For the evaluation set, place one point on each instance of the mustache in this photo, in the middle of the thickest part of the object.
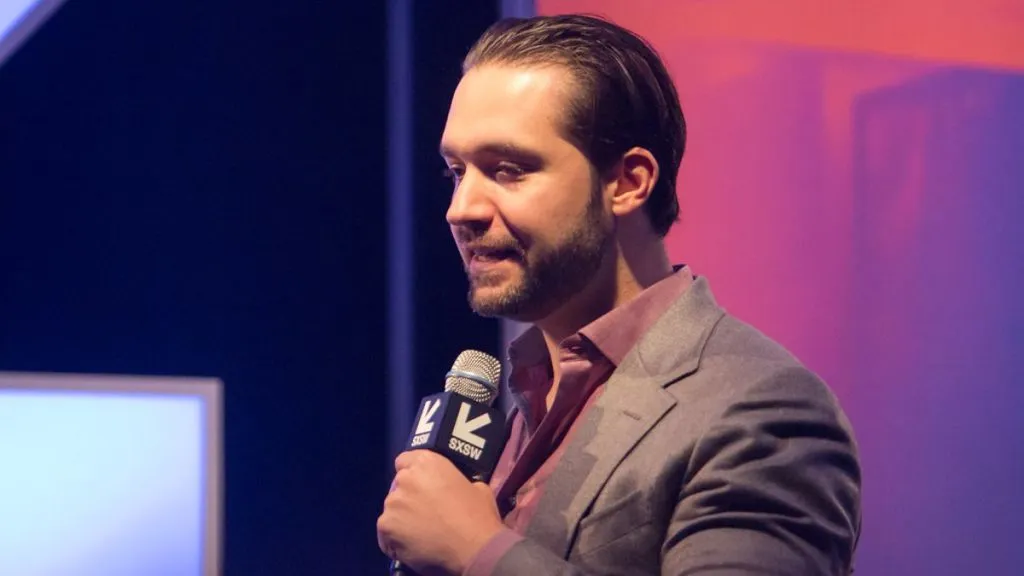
(481, 245)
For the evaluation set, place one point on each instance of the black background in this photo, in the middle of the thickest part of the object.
(199, 188)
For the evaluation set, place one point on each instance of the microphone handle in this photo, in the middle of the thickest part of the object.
(399, 569)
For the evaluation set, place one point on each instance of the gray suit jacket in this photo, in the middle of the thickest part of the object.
(711, 452)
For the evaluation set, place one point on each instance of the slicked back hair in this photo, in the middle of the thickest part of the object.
(624, 96)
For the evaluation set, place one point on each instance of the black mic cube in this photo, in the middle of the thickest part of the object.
(470, 434)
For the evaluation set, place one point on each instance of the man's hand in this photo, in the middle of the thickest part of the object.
(434, 519)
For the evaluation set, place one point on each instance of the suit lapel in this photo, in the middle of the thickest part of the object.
(633, 401)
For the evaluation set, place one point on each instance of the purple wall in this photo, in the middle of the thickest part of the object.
(854, 186)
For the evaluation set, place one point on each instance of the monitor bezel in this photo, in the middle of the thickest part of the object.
(209, 389)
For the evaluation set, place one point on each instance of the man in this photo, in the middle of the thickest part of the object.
(652, 432)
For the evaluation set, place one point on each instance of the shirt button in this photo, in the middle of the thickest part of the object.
(512, 501)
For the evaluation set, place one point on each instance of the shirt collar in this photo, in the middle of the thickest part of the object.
(615, 333)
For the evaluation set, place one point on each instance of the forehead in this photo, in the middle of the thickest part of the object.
(522, 105)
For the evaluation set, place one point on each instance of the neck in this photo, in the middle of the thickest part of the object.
(628, 270)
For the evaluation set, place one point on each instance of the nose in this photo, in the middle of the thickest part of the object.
(471, 205)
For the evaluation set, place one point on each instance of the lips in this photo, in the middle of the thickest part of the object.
(490, 255)
(492, 251)
(483, 260)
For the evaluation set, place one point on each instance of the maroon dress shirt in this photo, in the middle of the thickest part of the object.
(538, 435)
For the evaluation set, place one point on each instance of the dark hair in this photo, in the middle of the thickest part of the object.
(625, 96)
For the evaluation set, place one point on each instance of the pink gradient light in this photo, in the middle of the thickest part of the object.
(853, 186)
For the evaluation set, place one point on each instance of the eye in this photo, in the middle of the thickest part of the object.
(508, 173)
(453, 173)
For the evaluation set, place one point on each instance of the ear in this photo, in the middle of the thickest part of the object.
(630, 182)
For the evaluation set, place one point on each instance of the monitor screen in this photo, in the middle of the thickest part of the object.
(109, 475)
(19, 19)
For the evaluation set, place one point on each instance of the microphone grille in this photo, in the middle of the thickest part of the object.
(475, 375)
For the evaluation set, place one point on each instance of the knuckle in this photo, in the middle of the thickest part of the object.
(402, 477)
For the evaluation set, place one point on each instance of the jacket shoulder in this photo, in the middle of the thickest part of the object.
(739, 363)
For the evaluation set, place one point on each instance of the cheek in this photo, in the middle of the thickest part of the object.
(542, 212)
(523, 228)
(533, 219)
(541, 227)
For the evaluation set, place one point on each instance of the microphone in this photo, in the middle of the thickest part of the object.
(460, 423)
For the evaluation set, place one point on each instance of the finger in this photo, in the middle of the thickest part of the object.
(389, 500)
(483, 488)
(401, 477)
(420, 457)
(382, 538)
(408, 459)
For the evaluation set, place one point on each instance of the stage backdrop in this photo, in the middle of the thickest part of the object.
(854, 186)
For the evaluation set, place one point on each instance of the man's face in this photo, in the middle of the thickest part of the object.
(527, 211)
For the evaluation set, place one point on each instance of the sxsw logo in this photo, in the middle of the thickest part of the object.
(425, 425)
(464, 439)
(434, 418)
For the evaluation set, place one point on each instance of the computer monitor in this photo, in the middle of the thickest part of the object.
(110, 475)
(19, 19)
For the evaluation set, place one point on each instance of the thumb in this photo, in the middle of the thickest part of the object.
(485, 491)
(482, 486)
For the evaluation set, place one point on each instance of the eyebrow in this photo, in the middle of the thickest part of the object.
(502, 149)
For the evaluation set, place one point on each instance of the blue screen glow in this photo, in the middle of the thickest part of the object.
(19, 19)
(100, 484)
(11, 13)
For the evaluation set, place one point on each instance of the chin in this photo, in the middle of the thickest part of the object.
(492, 301)
(488, 298)
(503, 302)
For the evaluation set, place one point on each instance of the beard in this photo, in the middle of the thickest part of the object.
(549, 277)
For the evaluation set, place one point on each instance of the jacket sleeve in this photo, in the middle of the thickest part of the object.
(772, 488)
